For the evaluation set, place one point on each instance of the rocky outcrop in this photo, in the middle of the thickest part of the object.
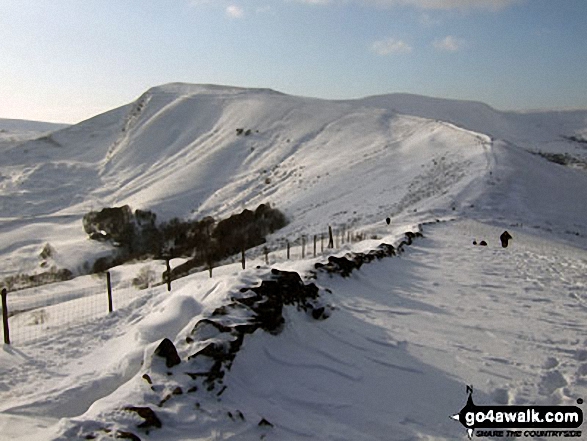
(264, 304)
(345, 265)
(166, 350)
(150, 417)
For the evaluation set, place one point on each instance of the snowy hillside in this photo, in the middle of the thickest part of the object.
(14, 131)
(383, 354)
(176, 151)
(551, 131)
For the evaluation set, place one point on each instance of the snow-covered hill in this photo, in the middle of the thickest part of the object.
(550, 131)
(14, 131)
(176, 151)
(404, 335)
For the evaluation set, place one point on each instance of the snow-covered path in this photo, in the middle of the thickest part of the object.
(503, 319)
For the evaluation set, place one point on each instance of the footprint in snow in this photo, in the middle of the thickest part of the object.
(500, 396)
(550, 363)
(551, 381)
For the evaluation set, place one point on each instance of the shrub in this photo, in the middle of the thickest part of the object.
(204, 241)
(144, 278)
(21, 281)
(47, 251)
(39, 317)
(115, 223)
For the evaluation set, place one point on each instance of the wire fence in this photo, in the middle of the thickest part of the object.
(302, 247)
(34, 313)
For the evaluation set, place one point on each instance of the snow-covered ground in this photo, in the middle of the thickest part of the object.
(14, 131)
(405, 334)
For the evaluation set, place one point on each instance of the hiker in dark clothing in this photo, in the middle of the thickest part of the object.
(505, 237)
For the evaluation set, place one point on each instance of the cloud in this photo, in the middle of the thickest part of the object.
(429, 21)
(390, 46)
(234, 11)
(314, 2)
(265, 10)
(493, 5)
(448, 44)
(196, 3)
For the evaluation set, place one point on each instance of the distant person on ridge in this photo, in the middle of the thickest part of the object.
(505, 237)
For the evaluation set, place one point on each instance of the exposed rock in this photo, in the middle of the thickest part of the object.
(147, 378)
(266, 303)
(207, 328)
(265, 423)
(351, 261)
(150, 417)
(166, 349)
(127, 435)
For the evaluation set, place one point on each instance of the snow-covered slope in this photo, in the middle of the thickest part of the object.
(404, 334)
(176, 151)
(15, 131)
(534, 130)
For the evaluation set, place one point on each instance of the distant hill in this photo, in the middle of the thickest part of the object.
(190, 151)
(21, 125)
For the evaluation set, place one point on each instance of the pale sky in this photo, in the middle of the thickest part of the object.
(69, 60)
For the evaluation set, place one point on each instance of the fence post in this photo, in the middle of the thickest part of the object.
(322, 243)
(315, 245)
(5, 317)
(109, 283)
(287, 249)
(266, 251)
(303, 247)
(331, 239)
(243, 257)
(168, 273)
(209, 261)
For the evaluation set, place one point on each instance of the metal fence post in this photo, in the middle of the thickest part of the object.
(5, 317)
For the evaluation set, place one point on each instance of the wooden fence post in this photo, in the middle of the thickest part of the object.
(243, 257)
(168, 274)
(331, 239)
(266, 251)
(5, 317)
(303, 247)
(109, 283)
(315, 238)
(287, 249)
(322, 243)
